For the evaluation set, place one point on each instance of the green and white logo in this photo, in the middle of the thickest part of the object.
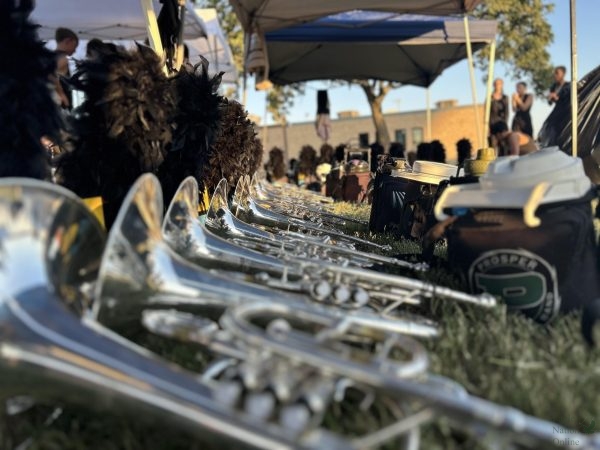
(524, 280)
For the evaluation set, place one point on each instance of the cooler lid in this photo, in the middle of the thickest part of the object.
(520, 182)
(428, 172)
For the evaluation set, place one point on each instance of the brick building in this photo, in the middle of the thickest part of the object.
(449, 123)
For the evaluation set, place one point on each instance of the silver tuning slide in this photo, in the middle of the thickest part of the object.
(279, 331)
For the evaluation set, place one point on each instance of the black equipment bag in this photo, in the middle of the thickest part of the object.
(539, 271)
(405, 207)
(591, 313)
(392, 205)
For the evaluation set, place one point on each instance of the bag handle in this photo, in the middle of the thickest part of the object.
(533, 202)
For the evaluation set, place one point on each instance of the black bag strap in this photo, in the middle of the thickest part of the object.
(591, 313)
(597, 188)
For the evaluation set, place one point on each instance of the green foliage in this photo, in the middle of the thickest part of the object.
(523, 38)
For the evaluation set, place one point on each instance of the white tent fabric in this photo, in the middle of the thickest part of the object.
(122, 22)
(214, 47)
(104, 19)
(269, 15)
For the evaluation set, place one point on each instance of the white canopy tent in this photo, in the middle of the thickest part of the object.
(106, 19)
(123, 22)
(214, 46)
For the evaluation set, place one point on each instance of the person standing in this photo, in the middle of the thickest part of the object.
(521, 103)
(556, 89)
(325, 162)
(66, 44)
(499, 104)
(498, 110)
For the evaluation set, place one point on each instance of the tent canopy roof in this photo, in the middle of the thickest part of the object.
(373, 26)
(410, 49)
(269, 15)
(215, 47)
(122, 22)
(106, 19)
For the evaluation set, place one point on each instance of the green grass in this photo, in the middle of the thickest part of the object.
(548, 372)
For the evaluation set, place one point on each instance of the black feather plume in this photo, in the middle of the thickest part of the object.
(27, 110)
(196, 124)
(236, 151)
(123, 128)
(307, 160)
(256, 156)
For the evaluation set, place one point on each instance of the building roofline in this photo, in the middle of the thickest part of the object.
(385, 115)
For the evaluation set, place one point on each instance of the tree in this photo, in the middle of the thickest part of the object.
(524, 36)
(280, 98)
(376, 90)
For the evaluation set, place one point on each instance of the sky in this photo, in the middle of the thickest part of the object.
(455, 81)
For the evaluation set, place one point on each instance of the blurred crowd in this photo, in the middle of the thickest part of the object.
(314, 169)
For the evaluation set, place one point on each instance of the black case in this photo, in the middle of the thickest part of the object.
(391, 210)
(540, 271)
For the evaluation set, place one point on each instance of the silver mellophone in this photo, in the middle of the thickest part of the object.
(284, 301)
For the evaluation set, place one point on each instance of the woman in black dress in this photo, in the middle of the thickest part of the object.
(499, 105)
(521, 103)
(498, 111)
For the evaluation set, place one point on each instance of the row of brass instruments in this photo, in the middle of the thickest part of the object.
(286, 303)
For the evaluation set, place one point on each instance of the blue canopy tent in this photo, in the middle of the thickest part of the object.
(263, 16)
(410, 49)
(405, 48)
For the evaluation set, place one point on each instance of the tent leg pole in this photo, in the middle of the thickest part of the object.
(214, 51)
(428, 113)
(152, 28)
(488, 99)
(179, 50)
(574, 106)
(245, 78)
(472, 76)
(265, 128)
(284, 127)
